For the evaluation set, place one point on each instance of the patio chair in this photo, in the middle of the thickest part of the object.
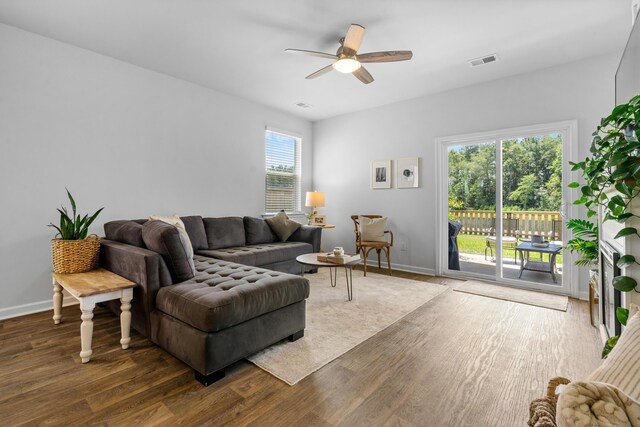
(509, 238)
(555, 235)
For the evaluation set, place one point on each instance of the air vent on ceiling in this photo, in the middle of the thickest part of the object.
(484, 60)
(303, 105)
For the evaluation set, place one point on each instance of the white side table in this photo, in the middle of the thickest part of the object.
(91, 288)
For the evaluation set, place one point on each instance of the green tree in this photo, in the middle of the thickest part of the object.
(531, 174)
(527, 191)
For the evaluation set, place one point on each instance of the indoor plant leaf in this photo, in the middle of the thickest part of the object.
(627, 231)
(624, 283)
(73, 202)
(622, 314)
(626, 260)
(608, 346)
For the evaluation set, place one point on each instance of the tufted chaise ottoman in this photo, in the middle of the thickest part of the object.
(226, 312)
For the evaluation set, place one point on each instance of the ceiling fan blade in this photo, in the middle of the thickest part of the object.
(354, 37)
(363, 75)
(312, 53)
(388, 56)
(320, 72)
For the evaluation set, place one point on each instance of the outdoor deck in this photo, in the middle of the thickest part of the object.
(472, 263)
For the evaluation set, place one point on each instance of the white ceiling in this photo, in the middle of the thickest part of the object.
(237, 47)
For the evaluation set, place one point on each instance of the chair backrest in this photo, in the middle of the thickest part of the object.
(509, 226)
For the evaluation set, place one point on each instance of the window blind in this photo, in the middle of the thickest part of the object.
(283, 172)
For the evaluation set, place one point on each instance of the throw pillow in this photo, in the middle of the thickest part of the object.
(124, 231)
(620, 368)
(372, 229)
(182, 231)
(282, 225)
(165, 239)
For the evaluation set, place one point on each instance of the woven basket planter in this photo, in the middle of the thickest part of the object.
(75, 256)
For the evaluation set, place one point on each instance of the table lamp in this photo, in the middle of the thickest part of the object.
(315, 199)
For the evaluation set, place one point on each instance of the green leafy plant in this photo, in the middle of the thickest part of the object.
(623, 315)
(585, 241)
(73, 227)
(614, 163)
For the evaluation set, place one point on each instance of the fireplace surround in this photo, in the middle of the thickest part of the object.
(610, 297)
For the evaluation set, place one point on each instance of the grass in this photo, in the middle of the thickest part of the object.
(475, 244)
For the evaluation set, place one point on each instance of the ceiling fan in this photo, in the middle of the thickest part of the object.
(347, 59)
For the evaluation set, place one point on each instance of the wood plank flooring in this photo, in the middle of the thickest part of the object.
(459, 360)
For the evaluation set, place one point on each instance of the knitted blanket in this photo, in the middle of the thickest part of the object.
(595, 404)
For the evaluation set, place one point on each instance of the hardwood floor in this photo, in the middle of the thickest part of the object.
(459, 360)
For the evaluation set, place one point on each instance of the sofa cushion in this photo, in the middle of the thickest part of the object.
(224, 232)
(224, 294)
(282, 226)
(258, 231)
(238, 254)
(259, 255)
(124, 231)
(165, 239)
(195, 229)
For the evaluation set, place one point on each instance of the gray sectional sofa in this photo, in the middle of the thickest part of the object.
(242, 297)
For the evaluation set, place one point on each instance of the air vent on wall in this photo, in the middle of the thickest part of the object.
(484, 60)
(303, 105)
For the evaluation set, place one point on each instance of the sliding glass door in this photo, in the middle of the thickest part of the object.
(472, 208)
(502, 197)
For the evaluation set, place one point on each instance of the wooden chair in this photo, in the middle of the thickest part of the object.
(365, 247)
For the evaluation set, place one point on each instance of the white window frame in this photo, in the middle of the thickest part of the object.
(297, 170)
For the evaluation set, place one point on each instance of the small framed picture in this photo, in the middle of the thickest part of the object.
(381, 174)
(407, 172)
(318, 220)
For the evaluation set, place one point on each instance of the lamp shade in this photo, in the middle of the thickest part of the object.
(315, 199)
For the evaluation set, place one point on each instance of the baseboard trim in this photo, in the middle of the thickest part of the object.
(413, 269)
(34, 307)
(583, 295)
(401, 267)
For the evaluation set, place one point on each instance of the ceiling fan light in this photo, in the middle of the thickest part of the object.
(346, 65)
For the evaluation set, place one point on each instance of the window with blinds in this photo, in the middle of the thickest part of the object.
(283, 171)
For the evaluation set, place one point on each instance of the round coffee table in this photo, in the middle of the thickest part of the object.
(312, 260)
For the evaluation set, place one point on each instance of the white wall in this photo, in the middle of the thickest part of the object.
(134, 141)
(345, 145)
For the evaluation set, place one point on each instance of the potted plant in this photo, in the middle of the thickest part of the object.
(74, 251)
(614, 163)
(309, 215)
(584, 242)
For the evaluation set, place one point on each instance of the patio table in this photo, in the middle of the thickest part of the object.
(541, 266)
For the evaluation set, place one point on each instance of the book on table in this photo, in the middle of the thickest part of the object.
(338, 259)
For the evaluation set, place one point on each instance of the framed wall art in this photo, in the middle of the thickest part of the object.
(407, 172)
(381, 174)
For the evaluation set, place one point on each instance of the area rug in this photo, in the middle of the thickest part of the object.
(336, 325)
(539, 299)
